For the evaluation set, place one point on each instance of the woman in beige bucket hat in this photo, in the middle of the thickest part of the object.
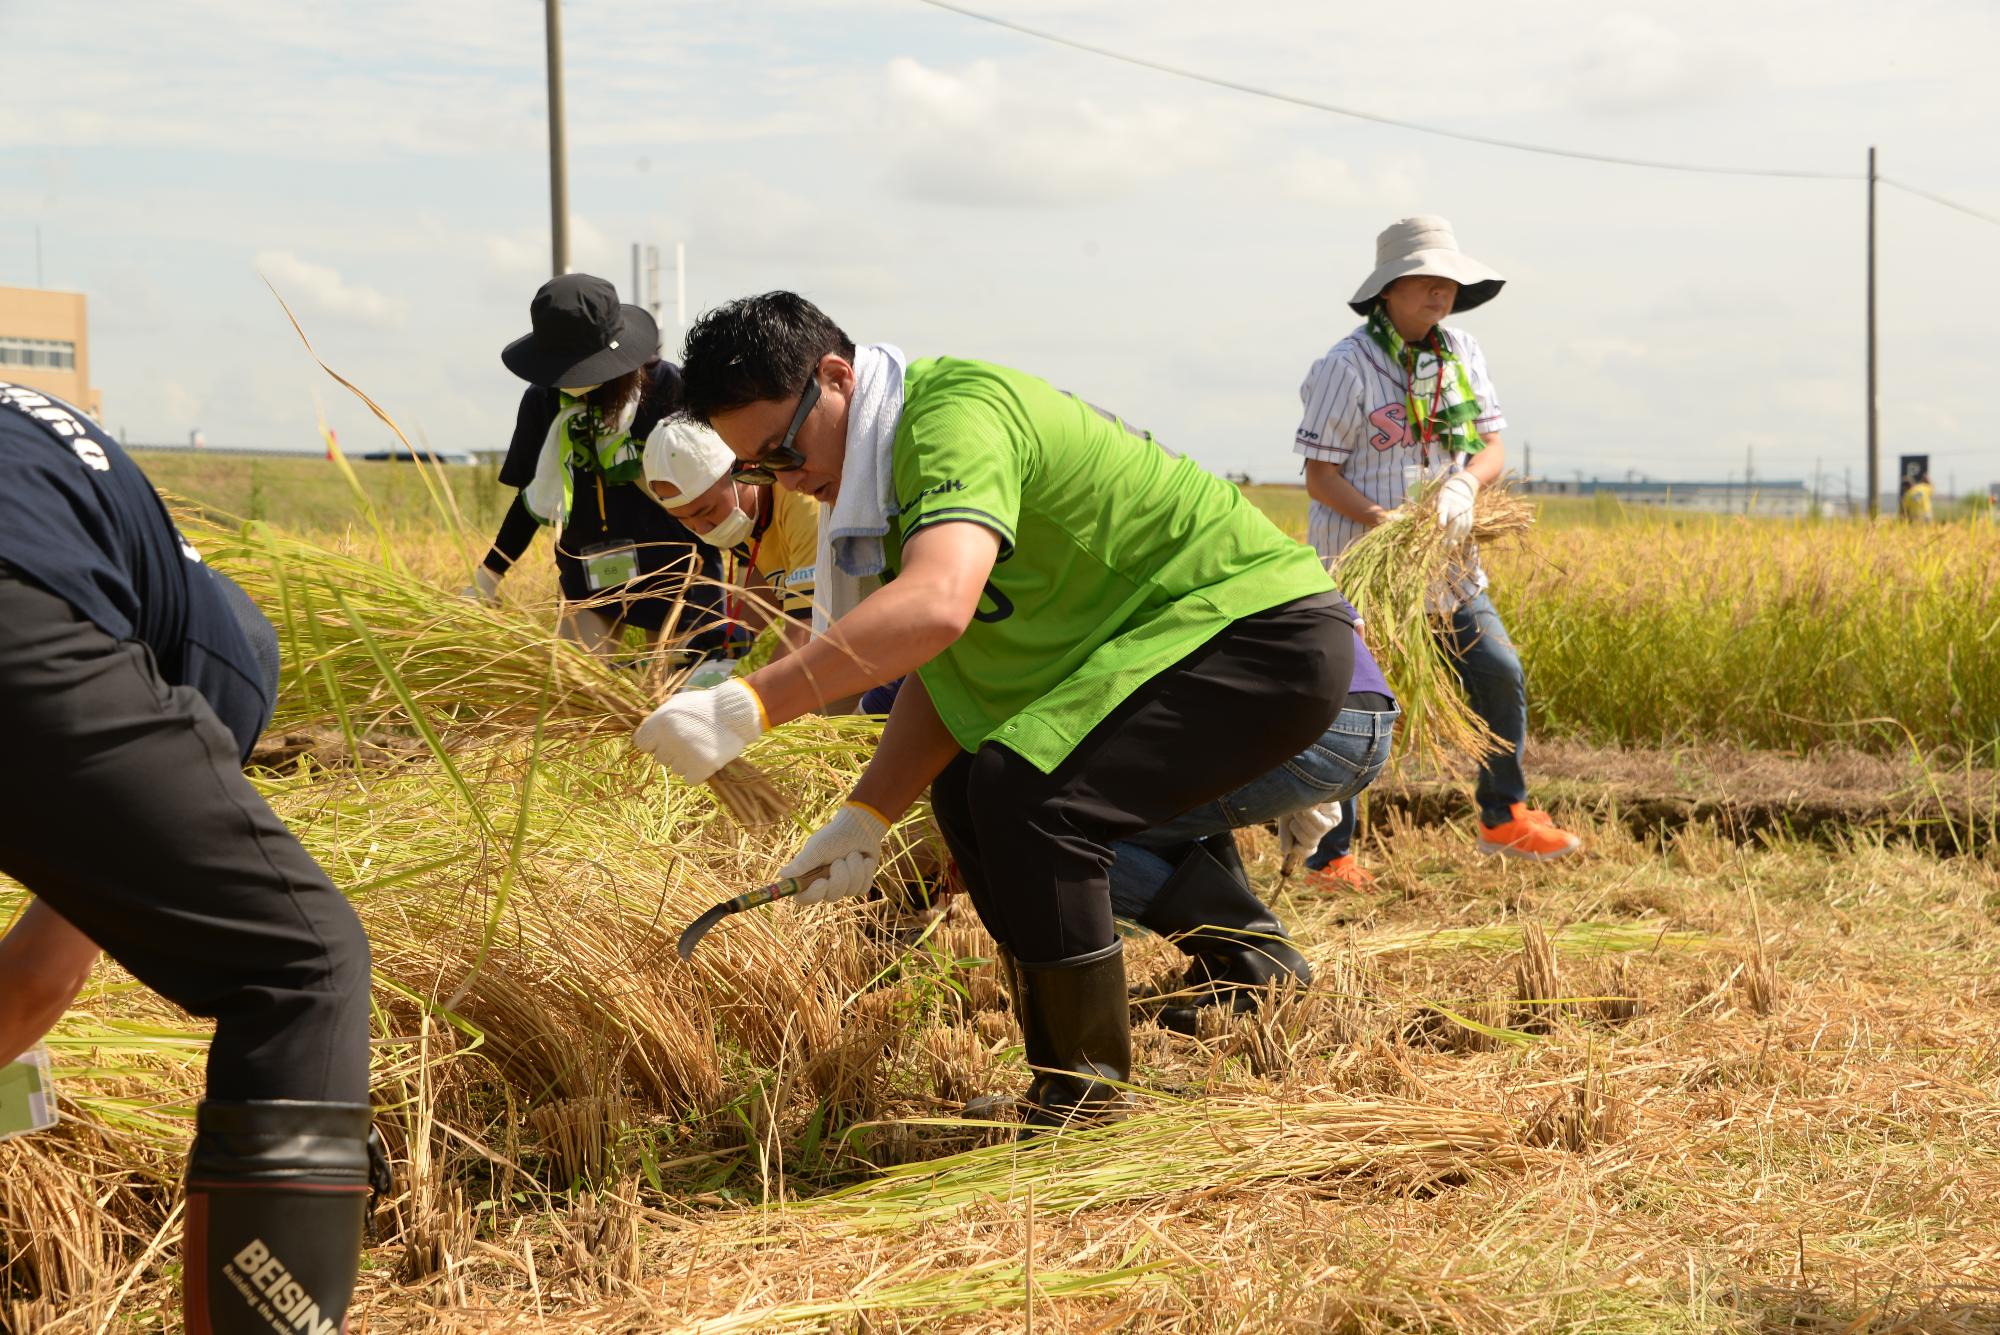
(1401, 401)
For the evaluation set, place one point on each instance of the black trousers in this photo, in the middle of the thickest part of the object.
(1035, 849)
(124, 808)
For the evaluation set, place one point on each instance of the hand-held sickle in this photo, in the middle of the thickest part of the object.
(749, 899)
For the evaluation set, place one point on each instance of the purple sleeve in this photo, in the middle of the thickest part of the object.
(1367, 675)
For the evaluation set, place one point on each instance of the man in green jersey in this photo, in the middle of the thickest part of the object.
(1102, 636)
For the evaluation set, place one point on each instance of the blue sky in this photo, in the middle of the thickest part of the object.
(1177, 252)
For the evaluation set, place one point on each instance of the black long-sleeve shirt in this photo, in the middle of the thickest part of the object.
(612, 514)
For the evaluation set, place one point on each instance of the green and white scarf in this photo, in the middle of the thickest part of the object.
(581, 438)
(1451, 426)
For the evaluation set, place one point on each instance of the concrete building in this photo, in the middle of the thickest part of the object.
(45, 345)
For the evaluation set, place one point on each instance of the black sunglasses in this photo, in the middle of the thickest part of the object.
(783, 457)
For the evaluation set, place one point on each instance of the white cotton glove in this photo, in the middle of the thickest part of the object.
(696, 733)
(485, 587)
(850, 848)
(1454, 506)
(1299, 832)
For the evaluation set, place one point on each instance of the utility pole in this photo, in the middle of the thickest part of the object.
(681, 283)
(1527, 466)
(1874, 443)
(558, 165)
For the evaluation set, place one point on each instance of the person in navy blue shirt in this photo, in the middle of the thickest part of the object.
(133, 683)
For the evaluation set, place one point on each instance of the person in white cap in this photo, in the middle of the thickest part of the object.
(1405, 400)
(773, 534)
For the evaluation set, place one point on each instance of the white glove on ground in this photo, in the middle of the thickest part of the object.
(485, 587)
(1454, 506)
(696, 733)
(850, 848)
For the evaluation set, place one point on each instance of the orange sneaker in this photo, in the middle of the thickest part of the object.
(1527, 834)
(1343, 873)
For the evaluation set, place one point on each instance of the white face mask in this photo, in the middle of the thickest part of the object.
(731, 531)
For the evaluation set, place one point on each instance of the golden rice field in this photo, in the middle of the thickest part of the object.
(1688, 1082)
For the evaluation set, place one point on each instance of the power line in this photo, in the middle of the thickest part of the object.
(1940, 199)
(1491, 142)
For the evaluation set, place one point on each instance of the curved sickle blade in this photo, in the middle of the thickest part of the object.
(699, 928)
(749, 899)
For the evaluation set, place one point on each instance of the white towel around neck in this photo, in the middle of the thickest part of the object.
(547, 494)
(852, 529)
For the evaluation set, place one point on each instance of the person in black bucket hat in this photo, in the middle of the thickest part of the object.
(597, 387)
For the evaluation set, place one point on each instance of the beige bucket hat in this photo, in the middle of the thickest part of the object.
(1426, 245)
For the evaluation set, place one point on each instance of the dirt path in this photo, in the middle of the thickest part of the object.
(1825, 797)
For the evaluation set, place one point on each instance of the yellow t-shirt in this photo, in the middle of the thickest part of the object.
(787, 554)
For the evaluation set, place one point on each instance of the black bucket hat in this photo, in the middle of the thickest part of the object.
(582, 335)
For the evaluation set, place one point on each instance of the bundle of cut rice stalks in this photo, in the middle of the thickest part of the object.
(1391, 575)
(464, 657)
(438, 664)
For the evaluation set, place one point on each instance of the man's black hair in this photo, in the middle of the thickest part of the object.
(753, 349)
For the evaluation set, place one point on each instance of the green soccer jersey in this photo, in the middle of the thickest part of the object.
(1117, 557)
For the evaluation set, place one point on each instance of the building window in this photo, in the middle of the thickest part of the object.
(49, 354)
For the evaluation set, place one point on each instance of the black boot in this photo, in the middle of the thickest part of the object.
(1235, 945)
(277, 1197)
(1078, 1034)
(1001, 1107)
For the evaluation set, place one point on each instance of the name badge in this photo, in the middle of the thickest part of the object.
(27, 1094)
(609, 565)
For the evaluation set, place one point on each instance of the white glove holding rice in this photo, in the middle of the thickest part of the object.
(485, 587)
(850, 848)
(1454, 506)
(696, 733)
(1304, 828)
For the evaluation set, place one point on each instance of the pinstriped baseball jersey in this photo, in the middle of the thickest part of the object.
(1355, 417)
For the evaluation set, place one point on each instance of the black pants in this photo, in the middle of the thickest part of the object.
(123, 807)
(1035, 848)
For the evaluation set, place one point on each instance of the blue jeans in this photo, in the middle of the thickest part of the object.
(1344, 760)
(1490, 670)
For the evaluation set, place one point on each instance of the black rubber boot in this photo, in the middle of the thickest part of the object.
(1001, 1107)
(277, 1200)
(1078, 1032)
(1235, 945)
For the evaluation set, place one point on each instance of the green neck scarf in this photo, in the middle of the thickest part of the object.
(1438, 400)
(599, 446)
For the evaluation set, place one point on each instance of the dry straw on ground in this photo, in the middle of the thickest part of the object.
(1692, 1085)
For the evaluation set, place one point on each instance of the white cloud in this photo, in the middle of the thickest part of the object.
(1632, 62)
(983, 138)
(310, 286)
(1315, 178)
(1608, 350)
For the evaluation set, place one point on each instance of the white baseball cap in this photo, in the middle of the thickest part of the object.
(688, 457)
